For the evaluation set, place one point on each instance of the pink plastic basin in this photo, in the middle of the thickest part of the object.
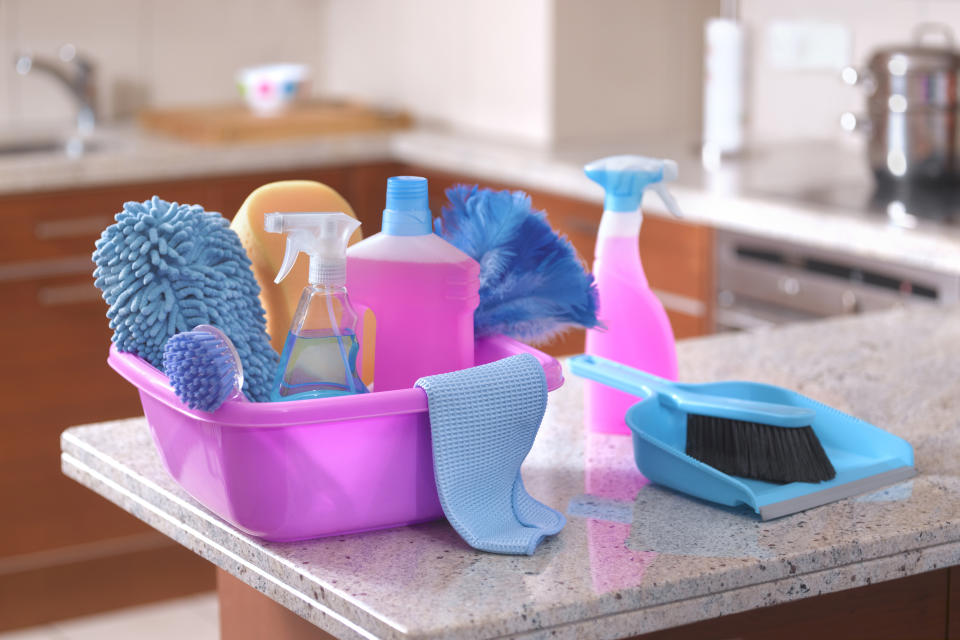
(307, 468)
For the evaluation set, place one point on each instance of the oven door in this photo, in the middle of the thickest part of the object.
(762, 282)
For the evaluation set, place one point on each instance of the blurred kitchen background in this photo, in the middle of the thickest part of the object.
(542, 71)
(789, 216)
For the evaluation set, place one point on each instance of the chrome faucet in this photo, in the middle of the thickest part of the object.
(77, 74)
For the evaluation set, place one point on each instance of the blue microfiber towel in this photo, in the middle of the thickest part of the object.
(483, 422)
(165, 268)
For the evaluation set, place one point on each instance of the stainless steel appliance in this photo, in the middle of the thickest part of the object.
(762, 282)
(912, 108)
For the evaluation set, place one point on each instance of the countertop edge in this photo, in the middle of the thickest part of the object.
(310, 608)
(141, 157)
(821, 227)
(743, 599)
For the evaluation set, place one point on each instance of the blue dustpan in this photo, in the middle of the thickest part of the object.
(866, 458)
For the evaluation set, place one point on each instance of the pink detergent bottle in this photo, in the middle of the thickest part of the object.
(638, 332)
(422, 290)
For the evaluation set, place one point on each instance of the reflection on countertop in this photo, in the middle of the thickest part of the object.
(634, 557)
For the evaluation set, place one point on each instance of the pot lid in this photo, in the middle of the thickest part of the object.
(921, 56)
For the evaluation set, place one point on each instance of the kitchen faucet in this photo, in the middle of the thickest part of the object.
(77, 74)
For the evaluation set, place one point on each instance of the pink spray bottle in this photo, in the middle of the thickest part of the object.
(637, 332)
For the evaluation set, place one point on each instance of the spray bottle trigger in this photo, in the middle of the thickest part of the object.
(661, 190)
(290, 255)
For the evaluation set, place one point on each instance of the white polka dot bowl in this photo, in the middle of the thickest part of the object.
(271, 89)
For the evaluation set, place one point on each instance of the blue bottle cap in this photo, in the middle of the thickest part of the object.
(408, 211)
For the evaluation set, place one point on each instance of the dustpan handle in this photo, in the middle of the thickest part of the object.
(619, 376)
(670, 395)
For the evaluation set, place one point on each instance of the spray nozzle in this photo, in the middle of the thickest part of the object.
(625, 177)
(322, 236)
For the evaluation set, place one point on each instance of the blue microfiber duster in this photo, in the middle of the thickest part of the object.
(165, 268)
(532, 284)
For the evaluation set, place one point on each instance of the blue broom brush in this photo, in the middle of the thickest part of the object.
(204, 368)
(533, 287)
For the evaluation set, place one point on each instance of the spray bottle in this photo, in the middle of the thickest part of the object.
(638, 332)
(319, 357)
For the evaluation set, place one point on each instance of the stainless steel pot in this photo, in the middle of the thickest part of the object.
(912, 107)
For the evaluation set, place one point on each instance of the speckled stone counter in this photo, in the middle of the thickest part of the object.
(633, 557)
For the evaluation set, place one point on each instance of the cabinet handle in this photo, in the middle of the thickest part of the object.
(67, 294)
(32, 269)
(71, 227)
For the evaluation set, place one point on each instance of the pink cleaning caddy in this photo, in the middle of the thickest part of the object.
(303, 469)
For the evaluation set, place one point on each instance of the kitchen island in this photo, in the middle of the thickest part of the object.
(634, 558)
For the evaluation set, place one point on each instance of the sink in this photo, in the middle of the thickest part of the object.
(69, 147)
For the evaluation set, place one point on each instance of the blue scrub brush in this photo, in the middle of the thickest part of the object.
(533, 286)
(165, 268)
(204, 367)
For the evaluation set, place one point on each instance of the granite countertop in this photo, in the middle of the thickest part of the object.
(809, 193)
(633, 557)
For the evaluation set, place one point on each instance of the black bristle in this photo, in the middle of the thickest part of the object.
(759, 451)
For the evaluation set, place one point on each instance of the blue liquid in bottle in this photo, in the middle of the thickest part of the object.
(319, 358)
(318, 364)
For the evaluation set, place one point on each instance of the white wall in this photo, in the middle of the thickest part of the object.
(807, 104)
(541, 71)
(481, 66)
(538, 71)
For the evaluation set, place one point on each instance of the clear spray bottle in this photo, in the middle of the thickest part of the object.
(319, 357)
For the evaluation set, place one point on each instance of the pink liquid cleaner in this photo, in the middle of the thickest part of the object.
(421, 289)
(638, 331)
(424, 316)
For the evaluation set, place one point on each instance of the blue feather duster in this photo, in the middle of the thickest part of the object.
(532, 284)
(164, 268)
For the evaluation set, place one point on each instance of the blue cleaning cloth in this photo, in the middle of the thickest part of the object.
(483, 422)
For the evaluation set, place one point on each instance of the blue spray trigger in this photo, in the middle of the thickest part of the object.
(625, 177)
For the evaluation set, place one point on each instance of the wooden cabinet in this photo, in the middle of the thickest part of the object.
(906, 608)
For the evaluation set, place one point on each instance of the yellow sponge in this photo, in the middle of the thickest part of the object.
(266, 249)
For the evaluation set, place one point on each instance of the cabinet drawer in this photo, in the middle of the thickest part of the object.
(55, 339)
(47, 225)
(684, 325)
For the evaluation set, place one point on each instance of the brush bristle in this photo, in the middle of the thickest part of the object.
(201, 369)
(759, 451)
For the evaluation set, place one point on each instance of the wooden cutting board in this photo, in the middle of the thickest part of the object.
(237, 123)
